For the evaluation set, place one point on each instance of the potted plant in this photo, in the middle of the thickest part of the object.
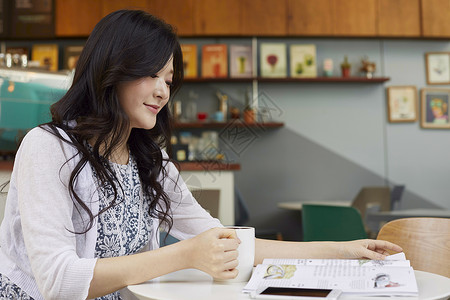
(345, 67)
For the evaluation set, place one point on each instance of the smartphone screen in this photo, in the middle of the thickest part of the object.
(279, 291)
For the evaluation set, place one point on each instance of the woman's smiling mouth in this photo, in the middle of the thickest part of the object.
(152, 107)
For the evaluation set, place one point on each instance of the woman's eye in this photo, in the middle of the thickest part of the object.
(169, 83)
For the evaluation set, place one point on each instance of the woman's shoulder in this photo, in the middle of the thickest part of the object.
(45, 137)
(164, 154)
(43, 133)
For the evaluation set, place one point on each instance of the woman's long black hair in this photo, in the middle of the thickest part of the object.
(125, 45)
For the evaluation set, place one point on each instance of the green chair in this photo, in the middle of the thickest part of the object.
(331, 223)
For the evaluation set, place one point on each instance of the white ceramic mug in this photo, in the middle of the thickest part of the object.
(246, 257)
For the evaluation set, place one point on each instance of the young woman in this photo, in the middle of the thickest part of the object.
(90, 189)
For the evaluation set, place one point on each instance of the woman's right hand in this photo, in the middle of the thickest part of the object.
(215, 252)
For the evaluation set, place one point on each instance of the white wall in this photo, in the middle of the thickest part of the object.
(419, 157)
(347, 120)
(351, 120)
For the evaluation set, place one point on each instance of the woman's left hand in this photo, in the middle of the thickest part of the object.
(369, 249)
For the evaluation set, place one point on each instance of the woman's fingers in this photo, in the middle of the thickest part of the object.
(230, 255)
(228, 274)
(378, 249)
(369, 254)
(229, 244)
(218, 248)
(385, 245)
(371, 249)
(232, 264)
(226, 233)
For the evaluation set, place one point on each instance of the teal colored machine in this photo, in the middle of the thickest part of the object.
(25, 99)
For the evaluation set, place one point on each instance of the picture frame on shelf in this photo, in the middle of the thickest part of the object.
(434, 104)
(71, 56)
(241, 61)
(46, 55)
(402, 103)
(190, 63)
(215, 61)
(303, 60)
(273, 60)
(437, 67)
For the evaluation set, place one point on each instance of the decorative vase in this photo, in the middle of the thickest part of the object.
(249, 116)
(345, 72)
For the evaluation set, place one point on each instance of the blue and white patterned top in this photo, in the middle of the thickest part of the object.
(122, 230)
(125, 228)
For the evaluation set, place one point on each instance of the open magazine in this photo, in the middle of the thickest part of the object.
(393, 276)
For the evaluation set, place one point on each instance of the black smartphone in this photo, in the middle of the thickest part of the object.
(296, 293)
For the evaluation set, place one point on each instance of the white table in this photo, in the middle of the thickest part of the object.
(196, 285)
(297, 205)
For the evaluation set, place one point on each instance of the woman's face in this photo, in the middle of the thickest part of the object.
(143, 99)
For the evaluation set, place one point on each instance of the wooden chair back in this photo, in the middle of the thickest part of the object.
(425, 241)
(378, 195)
(376, 198)
(209, 199)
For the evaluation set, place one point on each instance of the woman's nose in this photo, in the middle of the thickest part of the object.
(162, 89)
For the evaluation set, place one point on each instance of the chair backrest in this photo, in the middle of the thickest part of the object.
(209, 200)
(369, 196)
(331, 223)
(425, 241)
(396, 196)
(241, 211)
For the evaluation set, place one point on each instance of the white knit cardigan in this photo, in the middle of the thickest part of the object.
(37, 250)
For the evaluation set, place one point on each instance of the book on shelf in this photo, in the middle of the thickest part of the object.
(214, 61)
(71, 55)
(190, 64)
(241, 61)
(389, 277)
(46, 55)
(273, 61)
(303, 60)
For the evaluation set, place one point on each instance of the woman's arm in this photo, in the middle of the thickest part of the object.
(370, 249)
(213, 252)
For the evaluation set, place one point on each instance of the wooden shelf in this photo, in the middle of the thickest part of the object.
(291, 79)
(6, 165)
(226, 79)
(326, 79)
(207, 166)
(239, 123)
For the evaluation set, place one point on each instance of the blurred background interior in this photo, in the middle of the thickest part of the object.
(275, 123)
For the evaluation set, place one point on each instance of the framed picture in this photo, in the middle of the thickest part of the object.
(46, 55)
(241, 61)
(189, 60)
(435, 108)
(71, 55)
(273, 60)
(438, 67)
(402, 103)
(303, 60)
(215, 61)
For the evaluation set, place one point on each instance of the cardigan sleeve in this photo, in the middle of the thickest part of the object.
(189, 218)
(46, 212)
